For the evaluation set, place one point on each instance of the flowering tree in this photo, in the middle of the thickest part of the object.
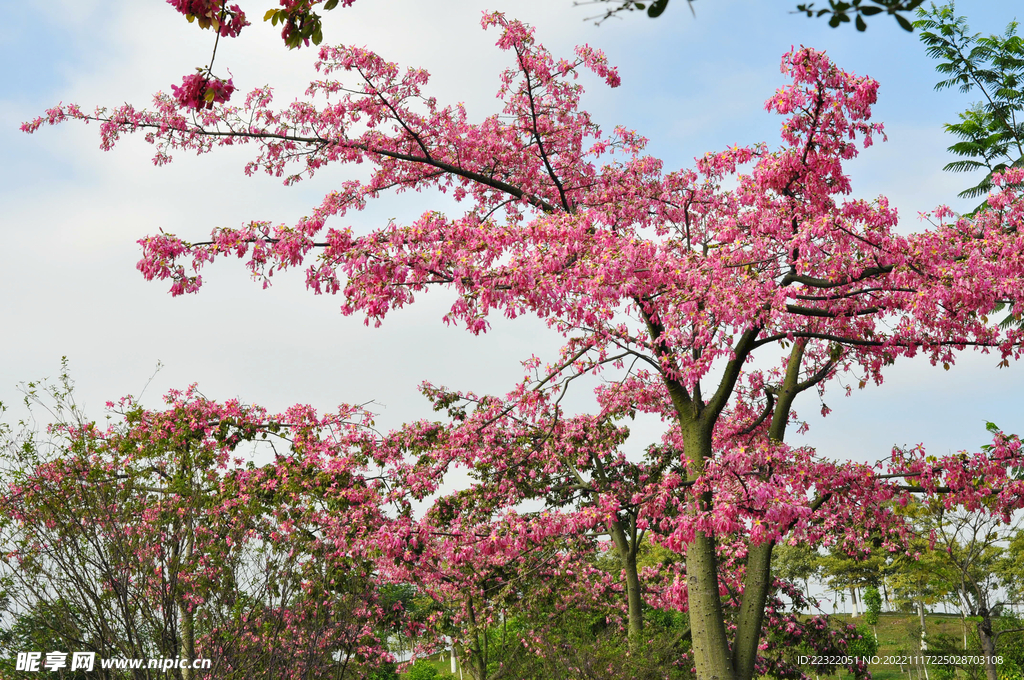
(711, 307)
(150, 539)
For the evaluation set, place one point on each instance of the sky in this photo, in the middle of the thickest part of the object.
(70, 214)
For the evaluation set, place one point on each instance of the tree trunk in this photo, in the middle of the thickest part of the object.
(188, 634)
(189, 640)
(758, 578)
(707, 623)
(853, 603)
(988, 644)
(634, 600)
(756, 584)
(711, 654)
(920, 612)
(626, 550)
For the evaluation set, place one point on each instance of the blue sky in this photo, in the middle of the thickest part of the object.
(70, 214)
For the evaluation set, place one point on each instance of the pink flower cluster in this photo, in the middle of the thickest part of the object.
(198, 91)
(226, 20)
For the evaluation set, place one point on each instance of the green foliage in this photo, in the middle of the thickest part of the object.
(991, 131)
(584, 645)
(301, 24)
(35, 630)
(839, 12)
(422, 670)
(1010, 568)
(843, 571)
(873, 603)
(387, 671)
(863, 645)
(1011, 648)
(919, 574)
(667, 619)
(796, 563)
(947, 645)
(654, 8)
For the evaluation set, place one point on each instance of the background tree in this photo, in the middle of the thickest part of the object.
(796, 563)
(969, 545)
(850, 572)
(872, 608)
(1010, 568)
(150, 540)
(991, 131)
(919, 580)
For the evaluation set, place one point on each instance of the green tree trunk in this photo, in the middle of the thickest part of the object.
(707, 622)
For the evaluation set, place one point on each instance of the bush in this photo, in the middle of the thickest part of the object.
(873, 603)
(865, 646)
(387, 671)
(422, 670)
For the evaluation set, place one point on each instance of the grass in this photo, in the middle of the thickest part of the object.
(443, 667)
(898, 635)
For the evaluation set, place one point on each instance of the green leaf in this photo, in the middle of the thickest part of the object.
(330, 4)
(963, 166)
(861, 26)
(656, 8)
(904, 23)
(271, 13)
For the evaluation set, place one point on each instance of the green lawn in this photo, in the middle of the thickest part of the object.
(897, 636)
(443, 667)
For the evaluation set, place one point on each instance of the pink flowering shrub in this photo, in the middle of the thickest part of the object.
(153, 538)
